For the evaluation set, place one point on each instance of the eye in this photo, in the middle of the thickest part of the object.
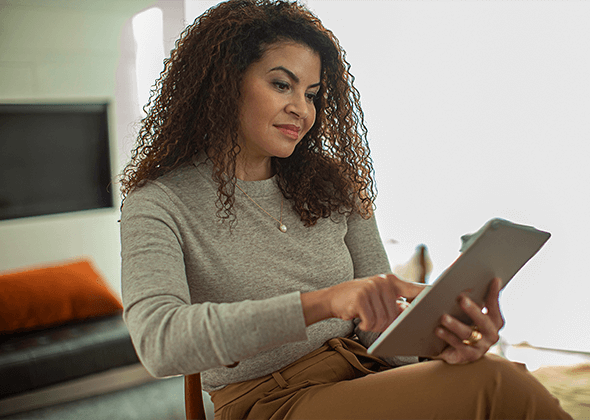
(311, 96)
(280, 85)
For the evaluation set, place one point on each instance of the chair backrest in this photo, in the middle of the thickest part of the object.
(193, 397)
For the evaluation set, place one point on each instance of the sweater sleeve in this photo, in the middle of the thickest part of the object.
(171, 335)
(365, 246)
(369, 258)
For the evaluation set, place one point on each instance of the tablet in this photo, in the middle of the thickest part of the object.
(499, 249)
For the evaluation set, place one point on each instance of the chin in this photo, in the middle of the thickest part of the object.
(284, 152)
(283, 155)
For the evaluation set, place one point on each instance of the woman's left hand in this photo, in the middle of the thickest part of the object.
(454, 332)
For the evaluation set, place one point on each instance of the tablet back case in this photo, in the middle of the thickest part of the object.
(499, 249)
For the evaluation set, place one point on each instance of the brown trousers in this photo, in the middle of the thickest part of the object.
(341, 381)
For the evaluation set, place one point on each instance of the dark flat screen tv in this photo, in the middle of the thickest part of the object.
(54, 158)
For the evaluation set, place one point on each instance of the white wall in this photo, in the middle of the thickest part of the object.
(480, 109)
(63, 51)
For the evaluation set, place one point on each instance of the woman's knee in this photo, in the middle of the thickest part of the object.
(503, 378)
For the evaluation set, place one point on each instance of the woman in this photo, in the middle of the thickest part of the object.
(250, 251)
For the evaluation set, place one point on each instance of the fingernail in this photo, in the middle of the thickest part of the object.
(466, 302)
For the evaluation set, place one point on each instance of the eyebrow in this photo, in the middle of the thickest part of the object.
(291, 75)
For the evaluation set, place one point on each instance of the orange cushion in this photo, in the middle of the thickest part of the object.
(53, 295)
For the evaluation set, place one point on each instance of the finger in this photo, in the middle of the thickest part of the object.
(383, 312)
(482, 321)
(366, 308)
(407, 289)
(453, 356)
(383, 299)
(493, 304)
(461, 353)
(390, 300)
(367, 320)
(390, 312)
(454, 326)
(450, 356)
(402, 305)
(382, 304)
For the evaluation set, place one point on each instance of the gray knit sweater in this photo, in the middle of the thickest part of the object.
(199, 297)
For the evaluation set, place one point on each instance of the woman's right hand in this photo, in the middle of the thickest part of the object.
(373, 300)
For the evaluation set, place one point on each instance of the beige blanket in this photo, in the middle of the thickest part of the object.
(571, 384)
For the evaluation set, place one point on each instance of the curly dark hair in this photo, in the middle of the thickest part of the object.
(193, 108)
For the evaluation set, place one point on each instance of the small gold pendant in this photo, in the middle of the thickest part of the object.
(283, 228)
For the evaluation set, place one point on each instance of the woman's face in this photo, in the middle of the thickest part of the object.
(276, 106)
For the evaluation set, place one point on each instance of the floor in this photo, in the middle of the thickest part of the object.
(162, 399)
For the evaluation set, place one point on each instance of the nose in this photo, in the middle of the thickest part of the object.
(298, 106)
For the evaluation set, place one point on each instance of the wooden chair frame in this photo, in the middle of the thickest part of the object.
(193, 398)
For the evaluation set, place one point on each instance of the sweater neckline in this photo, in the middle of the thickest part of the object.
(263, 188)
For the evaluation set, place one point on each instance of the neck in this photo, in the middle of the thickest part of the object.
(254, 170)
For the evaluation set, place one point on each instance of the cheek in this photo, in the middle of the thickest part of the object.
(252, 118)
(265, 109)
(254, 107)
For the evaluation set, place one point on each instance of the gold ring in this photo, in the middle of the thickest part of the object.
(474, 337)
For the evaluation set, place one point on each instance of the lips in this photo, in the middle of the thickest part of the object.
(289, 130)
